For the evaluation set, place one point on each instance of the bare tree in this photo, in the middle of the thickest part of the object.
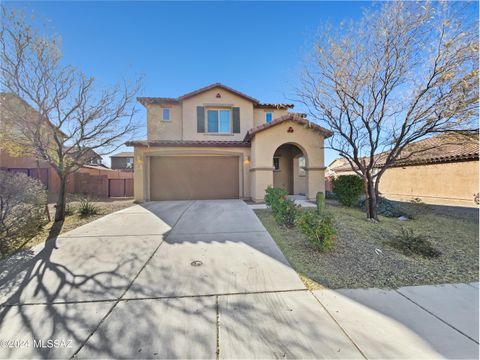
(72, 116)
(404, 71)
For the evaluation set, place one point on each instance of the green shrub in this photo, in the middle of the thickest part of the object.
(285, 211)
(319, 230)
(320, 199)
(272, 195)
(411, 244)
(329, 195)
(386, 208)
(347, 189)
(87, 208)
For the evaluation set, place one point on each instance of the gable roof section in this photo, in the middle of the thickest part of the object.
(219, 85)
(166, 100)
(297, 118)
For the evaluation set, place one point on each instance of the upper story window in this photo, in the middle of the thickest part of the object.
(129, 163)
(165, 114)
(268, 117)
(219, 121)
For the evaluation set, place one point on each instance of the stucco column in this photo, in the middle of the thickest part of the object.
(261, 178)
(315, 181)
(139, 181)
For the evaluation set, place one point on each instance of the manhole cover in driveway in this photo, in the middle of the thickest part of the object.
(196, 263)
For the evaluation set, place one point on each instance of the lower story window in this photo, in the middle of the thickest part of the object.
(219, 121)
(276, 163)
(301, 166)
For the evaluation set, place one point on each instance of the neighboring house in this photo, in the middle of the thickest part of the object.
(16, 153)
(122, 161)
(216, 143)
(90, 157)
(442, 169)
(17, 156)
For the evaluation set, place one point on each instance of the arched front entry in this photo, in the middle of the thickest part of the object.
(293, 138)
(289, 169)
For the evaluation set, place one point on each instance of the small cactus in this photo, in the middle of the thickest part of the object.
(320, 198)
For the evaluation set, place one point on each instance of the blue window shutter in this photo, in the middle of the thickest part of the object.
(200, 119)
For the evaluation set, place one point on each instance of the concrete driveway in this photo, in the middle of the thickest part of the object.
(203, 279)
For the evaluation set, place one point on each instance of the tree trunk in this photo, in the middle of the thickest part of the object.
(371, 200)
(61, 201)
(47, 212)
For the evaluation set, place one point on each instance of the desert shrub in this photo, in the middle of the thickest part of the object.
(319, 230)
(69, 210)
(272, 195)
(285, 212)
(320, 200)
(348, 188)
(22, 208)
(386, 208)
(87, 208)
(411, 244)
(329, 195)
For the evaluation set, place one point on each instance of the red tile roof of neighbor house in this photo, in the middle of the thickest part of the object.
(298, 118)
(447, 147)
(167, 100)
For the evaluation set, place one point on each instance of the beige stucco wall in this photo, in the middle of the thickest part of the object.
(209, 99)
(264, 145)
(445, 184)
(142, 161)
(259, 115)
(157, 129)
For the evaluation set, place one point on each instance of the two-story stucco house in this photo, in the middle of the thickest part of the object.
(218, 143)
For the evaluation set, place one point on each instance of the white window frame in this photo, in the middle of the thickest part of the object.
(275, 168)
(169, 114)
(218, 121)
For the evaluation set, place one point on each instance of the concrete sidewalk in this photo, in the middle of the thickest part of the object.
(203, 279)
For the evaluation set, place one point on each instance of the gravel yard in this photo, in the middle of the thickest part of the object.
(72, 221)
(361, 256)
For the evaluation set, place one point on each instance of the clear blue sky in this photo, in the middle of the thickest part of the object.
(256, 48)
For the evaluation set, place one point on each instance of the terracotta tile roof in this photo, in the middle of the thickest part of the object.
(448, 147)
(123, 154)
(168, 100)
(290, 117)
(220, 85)
(451, 146)
(274, 106)
(156, 100)
(180, 143)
